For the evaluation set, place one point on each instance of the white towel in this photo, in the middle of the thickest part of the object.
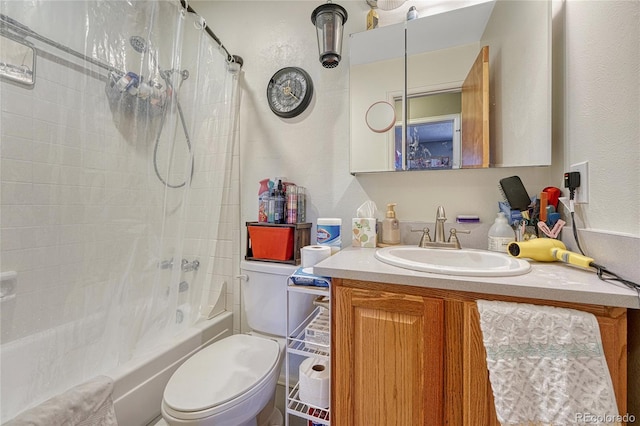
(546, 365)
(88, 404)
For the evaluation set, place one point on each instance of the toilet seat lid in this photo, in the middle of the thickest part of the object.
(221, 372)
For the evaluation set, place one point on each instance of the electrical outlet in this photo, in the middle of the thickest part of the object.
(582, 192)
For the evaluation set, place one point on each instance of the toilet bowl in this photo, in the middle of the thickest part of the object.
(232, 382)
(226, 384)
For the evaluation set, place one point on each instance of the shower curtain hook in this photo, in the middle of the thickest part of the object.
(200, 23)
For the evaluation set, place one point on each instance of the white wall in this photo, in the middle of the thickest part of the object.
(603, 109)
(312, 150)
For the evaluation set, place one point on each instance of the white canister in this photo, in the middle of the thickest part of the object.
(328, 233)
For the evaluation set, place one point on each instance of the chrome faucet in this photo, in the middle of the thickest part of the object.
(441, 218)
(440, 242)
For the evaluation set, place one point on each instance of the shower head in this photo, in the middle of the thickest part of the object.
(139, 44)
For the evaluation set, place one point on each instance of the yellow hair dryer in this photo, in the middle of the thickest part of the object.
(547, 250)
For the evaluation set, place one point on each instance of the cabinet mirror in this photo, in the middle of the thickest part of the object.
(471, 88)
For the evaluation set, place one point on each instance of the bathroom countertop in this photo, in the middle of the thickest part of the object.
(550, 281)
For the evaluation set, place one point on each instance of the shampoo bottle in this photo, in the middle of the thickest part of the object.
(390, 226)
(500, 234)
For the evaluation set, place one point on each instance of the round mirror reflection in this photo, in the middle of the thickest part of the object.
(380, 117)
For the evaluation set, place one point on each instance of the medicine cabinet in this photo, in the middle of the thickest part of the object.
(409, 63)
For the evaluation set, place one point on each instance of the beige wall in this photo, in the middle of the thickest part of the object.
(312, 150)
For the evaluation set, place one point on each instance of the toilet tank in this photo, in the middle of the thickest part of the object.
(264, 298)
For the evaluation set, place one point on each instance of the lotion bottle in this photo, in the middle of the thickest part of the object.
(390, 226)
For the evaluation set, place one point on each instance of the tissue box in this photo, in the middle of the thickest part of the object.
(363, 232)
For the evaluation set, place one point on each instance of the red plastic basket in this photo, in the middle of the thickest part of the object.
(275, 243)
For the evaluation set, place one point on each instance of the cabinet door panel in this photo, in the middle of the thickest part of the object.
(388, 350)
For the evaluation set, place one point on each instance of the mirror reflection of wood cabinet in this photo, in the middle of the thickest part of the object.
(406, 355)
(475, 113)
(440, 50)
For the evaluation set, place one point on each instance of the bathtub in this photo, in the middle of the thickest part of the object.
(139, 383)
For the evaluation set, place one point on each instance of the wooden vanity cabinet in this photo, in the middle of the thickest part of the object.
(405, 355)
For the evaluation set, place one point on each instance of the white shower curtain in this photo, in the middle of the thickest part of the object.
(110, 182)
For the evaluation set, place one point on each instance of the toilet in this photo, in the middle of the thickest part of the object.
(232, 382)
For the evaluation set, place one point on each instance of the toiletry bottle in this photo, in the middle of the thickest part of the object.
(390, 226)
(292, 203)
(372, 19)
(500, 234)
(302, 217)
(412, 13)
(263, 200)
(278, 215)
(271, 211)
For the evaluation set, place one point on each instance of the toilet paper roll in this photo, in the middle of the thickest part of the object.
(313, 254)
(315, 384)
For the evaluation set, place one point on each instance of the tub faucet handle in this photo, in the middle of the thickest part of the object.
(190, 266)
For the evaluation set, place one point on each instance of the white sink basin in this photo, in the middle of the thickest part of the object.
(466, 262)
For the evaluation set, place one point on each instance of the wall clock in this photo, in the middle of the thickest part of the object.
(289, 92)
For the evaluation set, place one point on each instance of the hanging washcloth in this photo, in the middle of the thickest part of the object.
(546, 365)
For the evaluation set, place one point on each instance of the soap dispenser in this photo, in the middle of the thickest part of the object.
(390, 226)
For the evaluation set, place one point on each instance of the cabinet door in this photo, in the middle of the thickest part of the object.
(387, 356)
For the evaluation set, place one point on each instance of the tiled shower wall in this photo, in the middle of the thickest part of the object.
(73, 190)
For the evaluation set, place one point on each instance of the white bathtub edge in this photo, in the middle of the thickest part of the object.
(137, 392)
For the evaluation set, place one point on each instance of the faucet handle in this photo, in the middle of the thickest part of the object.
(453, 235)
(426, 238)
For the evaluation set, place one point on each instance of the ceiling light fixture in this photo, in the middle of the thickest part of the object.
(329, 20)
(385, 4)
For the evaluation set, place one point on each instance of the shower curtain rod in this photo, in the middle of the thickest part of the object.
(230, 58)
(24, 31)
